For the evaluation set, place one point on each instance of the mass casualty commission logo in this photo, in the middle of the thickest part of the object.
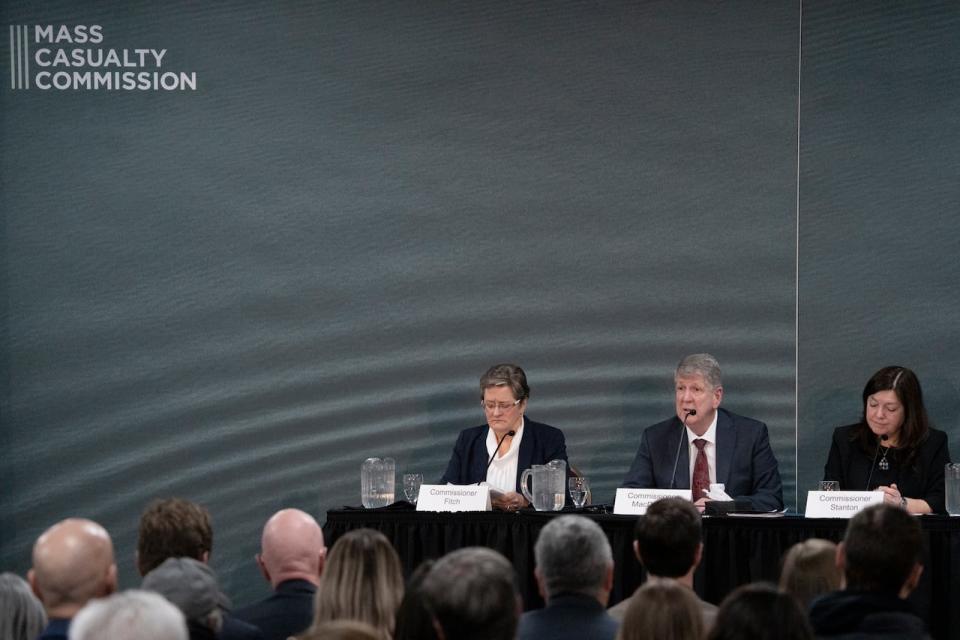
(70, 58)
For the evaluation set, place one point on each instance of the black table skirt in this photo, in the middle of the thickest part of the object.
(737, 550)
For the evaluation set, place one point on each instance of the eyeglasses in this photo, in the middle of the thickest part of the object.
(491, 406)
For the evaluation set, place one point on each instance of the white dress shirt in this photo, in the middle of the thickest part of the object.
(502, 472)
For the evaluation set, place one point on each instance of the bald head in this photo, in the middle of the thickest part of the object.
(72, 563)
(291, 548)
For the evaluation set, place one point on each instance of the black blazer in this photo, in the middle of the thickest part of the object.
(541, 443)
(286, 612)
(851, 466)
(745, 462)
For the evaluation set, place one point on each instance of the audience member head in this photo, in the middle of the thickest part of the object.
(362, 580)
(472, 595)
(341, 630)
(72, 563)
(810, 570)
(662, 610)
(21, 614)
(131, 615)
(173, 528)
(573, 556)
(668, 539)
(760, 612)
(881, 551)
(291, 548)
(414, 621)
(192, 586)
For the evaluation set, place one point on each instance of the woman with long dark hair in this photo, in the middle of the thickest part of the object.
(892, 448)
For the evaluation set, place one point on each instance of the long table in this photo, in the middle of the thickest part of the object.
(737, 549)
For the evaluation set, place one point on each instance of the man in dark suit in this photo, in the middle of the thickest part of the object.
(498, 452)
(72, 564)
(291, 559)
(574, 572)
(177, 528)
(703, 445)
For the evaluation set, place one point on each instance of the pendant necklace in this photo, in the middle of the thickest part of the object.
(883, 464)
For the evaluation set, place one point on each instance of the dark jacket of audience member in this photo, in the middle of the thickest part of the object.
(574, 572)
(881, 561)
(291, 559)
(414, 621)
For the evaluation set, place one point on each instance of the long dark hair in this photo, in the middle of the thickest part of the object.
(916, 425)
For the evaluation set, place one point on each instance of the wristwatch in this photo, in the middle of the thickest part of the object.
(903, 502)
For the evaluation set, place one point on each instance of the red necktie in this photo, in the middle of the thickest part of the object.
(701, 471)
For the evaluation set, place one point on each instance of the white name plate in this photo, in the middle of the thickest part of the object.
(451, 497)
(634, 502)
(840, 504)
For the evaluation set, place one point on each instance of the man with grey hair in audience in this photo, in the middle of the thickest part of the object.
(130, 615)
(72, 564)
(574, 573)
(703, 445)
(471, 595)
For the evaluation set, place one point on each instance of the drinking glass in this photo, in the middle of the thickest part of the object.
(579, 490)
(411, 486)
(951, 478)
(829, 485)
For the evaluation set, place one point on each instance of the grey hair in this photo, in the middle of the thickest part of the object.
(471, 594)
(506, 375)
(702, 364)
(130, 615)
(573, 556)
(21, 614)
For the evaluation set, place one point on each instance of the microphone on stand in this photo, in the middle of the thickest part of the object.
(676, 460)
(510, 433)
(883, 438)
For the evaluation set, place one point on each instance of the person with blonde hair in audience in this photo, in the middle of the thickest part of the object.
(342, 630)
(72, 564)
(130, 615)
(662, 610)
(810, 570)
(21, 614)
(362, 580)
(758, 611)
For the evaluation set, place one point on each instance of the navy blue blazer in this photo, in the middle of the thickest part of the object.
(745, 462)
(541, 443)
(284, 613)
(568, 616)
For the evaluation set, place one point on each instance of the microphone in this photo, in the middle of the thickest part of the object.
(510, 433)
(676, 460)
(883, 438)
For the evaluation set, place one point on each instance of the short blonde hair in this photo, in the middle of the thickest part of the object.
(810, 570)
(662, 610)
(362, 580)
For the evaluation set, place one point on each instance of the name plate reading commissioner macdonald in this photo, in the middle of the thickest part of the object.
(634, 502)
(840, 504)
(452, 497)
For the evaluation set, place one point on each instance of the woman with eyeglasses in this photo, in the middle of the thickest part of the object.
(496, 453)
